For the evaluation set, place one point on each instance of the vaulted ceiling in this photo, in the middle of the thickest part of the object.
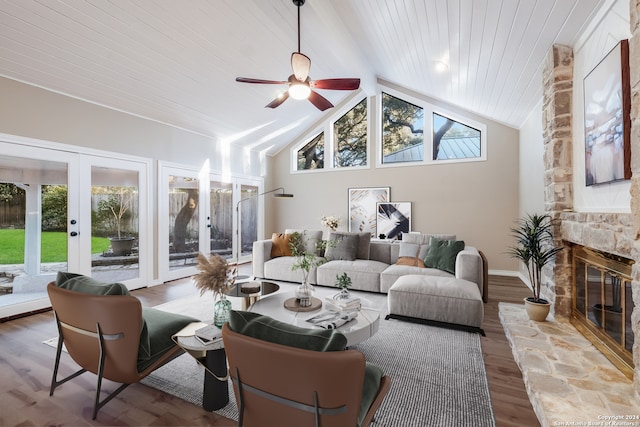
(176, 61)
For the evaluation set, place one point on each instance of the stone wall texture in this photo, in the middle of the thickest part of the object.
(558, 180)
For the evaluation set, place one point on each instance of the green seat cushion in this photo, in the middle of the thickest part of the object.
(269, 329)
(372, 377)
(442, 254)
(155, 338)
(88, 285)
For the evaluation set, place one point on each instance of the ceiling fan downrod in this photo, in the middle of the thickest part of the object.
(298, 3)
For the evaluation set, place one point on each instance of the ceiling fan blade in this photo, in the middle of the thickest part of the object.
(260, 81)
(336, 84)
(279, 100)
(319, 101)
(301, 64)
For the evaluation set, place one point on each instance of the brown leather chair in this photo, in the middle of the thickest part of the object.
(102, 334)
(276, 384)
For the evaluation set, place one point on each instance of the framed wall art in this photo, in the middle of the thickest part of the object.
(393, 219)
(362, 208)
(607, 120)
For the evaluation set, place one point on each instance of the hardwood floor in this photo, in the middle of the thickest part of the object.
(26, 366)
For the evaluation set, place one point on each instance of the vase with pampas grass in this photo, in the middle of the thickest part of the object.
(217, 276)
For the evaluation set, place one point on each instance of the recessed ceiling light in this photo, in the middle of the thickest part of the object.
(440, 66)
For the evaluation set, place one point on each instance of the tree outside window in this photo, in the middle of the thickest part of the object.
(402, 130)
(311, 156)
(454, 140)
(350, 137)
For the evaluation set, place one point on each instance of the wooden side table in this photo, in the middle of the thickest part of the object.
(213, 359)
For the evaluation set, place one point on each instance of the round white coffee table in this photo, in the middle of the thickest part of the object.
(357, 330)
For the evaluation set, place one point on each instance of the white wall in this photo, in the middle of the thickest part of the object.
(531, 159)
(37, 113)
(604, 33)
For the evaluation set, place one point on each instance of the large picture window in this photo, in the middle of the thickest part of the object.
(350, 137)
(454, 140)
(311, 156)
(402, 130)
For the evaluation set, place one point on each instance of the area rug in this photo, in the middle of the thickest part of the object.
(437, 375)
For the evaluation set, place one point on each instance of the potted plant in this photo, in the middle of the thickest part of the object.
(115, 210)
(305, 261)
(343, 282)
(535, 248)
(217, 276)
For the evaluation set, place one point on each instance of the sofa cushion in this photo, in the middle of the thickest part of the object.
(310, 238)
(413, 250)
(342, 246)
(364, 274)
(266, 328)
(155, 338)
(364, 245)
(88, 285)
(281, 245)
(412, 261)
(392, 273)
(424, 238)
(443, 299)
(442, 254)
(372, 377)
(280, 268)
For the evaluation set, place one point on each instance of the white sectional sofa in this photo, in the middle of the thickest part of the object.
(374, 268)
(451, 294)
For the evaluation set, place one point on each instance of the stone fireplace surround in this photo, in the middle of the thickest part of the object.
(569, 382)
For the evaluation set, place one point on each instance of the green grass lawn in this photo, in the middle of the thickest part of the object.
(54, 246)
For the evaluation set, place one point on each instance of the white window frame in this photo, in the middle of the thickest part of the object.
(329, 140)
(428, 109)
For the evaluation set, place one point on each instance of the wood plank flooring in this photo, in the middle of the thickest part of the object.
(26, 365)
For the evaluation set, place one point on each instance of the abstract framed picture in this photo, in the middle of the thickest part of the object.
(607, 120)
(362, 208)
(393, 219)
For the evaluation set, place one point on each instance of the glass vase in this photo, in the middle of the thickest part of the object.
(221, 310)
(304, 292)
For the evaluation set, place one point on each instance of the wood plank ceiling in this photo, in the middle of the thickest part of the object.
(175, 61)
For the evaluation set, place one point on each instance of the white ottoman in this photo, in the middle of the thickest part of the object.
(434, 299)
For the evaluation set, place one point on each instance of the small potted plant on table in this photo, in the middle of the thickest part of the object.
(343, 282)
(535, 248)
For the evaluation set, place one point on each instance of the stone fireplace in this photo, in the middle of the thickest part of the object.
(612, 233)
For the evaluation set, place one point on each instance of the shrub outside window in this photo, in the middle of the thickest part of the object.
(350, 137)
(311, 156)
(402, 130)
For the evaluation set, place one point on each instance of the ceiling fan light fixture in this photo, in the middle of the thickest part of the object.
(299, 91)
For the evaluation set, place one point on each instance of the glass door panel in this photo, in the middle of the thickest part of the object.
(248, 215)
(115, 224)
(183, 230)
(221, 218)
(33, 225)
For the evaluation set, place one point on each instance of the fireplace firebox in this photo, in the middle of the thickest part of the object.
(602, 304)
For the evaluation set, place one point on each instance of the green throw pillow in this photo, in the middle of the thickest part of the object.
(269, 329)
(88, 285)
(442, 254)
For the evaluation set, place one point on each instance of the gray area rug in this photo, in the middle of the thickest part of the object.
(437, 375)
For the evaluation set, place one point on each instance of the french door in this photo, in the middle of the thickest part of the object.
(49, 219)
(201, 211)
